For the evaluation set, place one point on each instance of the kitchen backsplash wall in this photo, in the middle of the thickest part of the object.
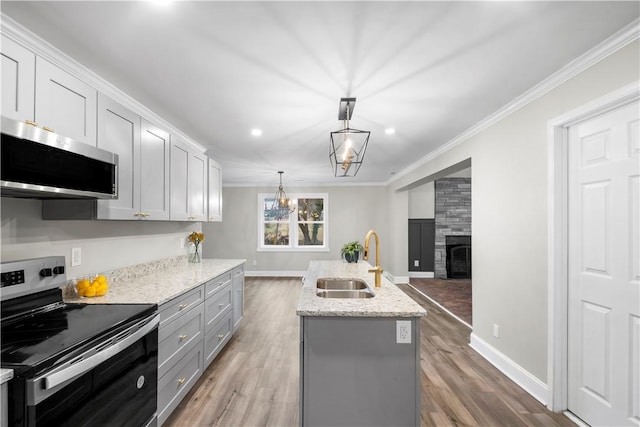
(105, 245)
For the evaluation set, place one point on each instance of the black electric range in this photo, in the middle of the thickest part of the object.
(74, 364)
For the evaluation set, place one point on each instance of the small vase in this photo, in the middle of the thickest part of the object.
(195, 257)
(352, 258)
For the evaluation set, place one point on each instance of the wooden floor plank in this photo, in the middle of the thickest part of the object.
(254, 380)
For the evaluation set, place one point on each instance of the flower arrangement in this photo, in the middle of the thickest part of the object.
(195, 238)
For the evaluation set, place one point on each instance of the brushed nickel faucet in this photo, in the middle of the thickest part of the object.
(378, 269)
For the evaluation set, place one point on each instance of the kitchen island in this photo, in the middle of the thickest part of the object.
(359, 357)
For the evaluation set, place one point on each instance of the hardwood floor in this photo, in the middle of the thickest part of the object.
(254, 381)
(452, 294)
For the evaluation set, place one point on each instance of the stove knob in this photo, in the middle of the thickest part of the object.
(58, 269)
(46, 272)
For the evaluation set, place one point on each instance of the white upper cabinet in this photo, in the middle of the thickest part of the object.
(154, 172)
(188, 182)
(64, 104)
(18, 80)
(198, 186)
(119, 132)
(214, 191)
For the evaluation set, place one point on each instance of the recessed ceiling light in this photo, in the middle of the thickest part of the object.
(389, 131)
(256, 132)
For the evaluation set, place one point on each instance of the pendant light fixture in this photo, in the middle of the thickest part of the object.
(282, 205)
(347, 145)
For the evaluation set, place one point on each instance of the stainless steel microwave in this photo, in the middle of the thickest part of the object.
(36, 163)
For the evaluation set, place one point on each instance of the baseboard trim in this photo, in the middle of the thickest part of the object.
(511, 369)
(249, 273)
(422, 274)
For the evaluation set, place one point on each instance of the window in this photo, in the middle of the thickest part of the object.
(304, 229)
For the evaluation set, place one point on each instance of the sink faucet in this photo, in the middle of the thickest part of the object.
(378, 269)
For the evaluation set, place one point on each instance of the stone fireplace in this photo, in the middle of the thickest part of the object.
(453, 219)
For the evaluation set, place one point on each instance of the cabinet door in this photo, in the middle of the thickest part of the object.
(18, 81)
(238, 296)
(119, 132)
(197, 186)
(154, 172)
(64, 103)
(179, 180)
(215, 191)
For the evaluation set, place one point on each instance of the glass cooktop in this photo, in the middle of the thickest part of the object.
(41, 340)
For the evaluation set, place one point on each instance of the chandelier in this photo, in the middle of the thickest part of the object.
(282, 205)
(347, 145)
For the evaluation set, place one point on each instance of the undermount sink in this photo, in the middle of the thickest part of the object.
(345, 294)
(340, 284)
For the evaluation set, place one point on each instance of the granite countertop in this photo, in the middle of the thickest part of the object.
(5, 375)
(389, 300)
(160, 286)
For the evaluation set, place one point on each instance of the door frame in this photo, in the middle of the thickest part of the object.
(557, 236)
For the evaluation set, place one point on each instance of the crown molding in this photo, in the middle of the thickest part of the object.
(617, 41)
(21, 35)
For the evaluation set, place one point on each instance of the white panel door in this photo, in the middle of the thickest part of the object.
(119, 132)
(18, 80)
(65, 104)
(604, 269)
(154, 172)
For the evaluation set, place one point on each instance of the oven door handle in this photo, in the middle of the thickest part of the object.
(54, 379)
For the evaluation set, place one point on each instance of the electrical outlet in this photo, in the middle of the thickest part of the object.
(496, 330)
(255, 262)
(416, 263)
(182, 243)
(403, 331)
(76, 257)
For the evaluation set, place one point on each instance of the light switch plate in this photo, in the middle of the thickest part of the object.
(76, 257)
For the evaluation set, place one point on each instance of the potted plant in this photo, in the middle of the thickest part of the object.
(351, 251)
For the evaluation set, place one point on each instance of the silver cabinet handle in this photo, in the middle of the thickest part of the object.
(182, 337)
(67, 372)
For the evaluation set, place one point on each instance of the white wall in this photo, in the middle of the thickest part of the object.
(422, 202)
(106, 245)
(352, 212)
(509, 222)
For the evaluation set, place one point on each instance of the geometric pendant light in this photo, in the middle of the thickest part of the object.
(347, 146)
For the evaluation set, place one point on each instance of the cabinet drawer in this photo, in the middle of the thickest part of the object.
(180, 305)
(175, 339)
(238, 271)
(213, 286)
(217, 337)
(217, 306)
(178, 381)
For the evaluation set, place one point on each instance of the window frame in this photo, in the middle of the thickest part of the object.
(293, 225)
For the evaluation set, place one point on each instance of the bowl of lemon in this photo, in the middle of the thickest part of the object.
(92, 287)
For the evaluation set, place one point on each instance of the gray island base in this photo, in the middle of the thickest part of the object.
(359, 358)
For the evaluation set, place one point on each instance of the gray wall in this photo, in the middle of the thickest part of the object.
(509, 196)
(353, 210)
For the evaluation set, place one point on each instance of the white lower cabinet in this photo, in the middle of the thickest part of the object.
(194, 328)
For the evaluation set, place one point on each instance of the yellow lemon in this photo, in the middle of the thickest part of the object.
(101, 279)
(82, 284)
(90, 292)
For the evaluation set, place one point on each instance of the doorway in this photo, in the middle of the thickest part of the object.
(594, 261)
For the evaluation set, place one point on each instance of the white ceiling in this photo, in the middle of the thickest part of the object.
(216, 70)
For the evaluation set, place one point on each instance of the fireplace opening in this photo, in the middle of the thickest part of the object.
(458, 257)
